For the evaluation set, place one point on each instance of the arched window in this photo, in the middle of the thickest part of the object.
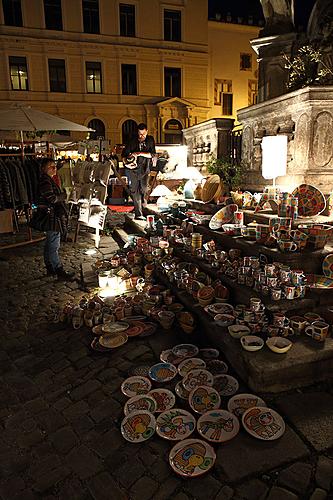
(128, 129)
(99, 128)
(173, 132)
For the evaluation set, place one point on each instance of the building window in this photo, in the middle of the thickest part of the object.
(53, 15)
(127, 19)
(172, 82)
(245, 62)
(94, 77)
(99, 129)
(172, 25)
(173, 132)
(129, 129)
(12, 12)
(18, 73)
(57, 74)
(223, 95)
(128, 79)
(90, 12)
(253, 91)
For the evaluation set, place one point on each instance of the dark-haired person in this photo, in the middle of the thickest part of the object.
(52, 200)
(137, 156)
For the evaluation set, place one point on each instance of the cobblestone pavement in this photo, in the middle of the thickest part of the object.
(61, 408)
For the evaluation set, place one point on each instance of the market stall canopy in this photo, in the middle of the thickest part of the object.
(25, 118)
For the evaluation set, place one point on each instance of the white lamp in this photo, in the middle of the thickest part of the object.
(192, 174)
(274, 156)
(162, 192)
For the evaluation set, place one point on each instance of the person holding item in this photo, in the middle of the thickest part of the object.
(137, 156)
(52, 203)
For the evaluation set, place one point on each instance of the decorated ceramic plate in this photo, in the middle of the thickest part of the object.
(219, 308)
(175, 424)
(181, 392)
(223, 216)
(133, 386)
(218, 426)
(185, 350)
(225, 385)
(263, 423)
(115, 327)
(164, 398)
(196, 377)
(318, 281)
(141, 370)
(113, 341)
(204, 398)
(328, 266)
(140, 402)
(216, 366)
(138, 426)
(150, 329)
(209, 353)
(162, 372)
(311, 200)
(168, 356)
(189, 364)
(192, 457)
(135, 329)
(239, 403)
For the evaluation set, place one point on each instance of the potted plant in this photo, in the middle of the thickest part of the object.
(231, 174)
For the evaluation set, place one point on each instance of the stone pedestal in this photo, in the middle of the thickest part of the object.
(306, 117)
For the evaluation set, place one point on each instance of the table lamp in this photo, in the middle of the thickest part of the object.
(274, 156)
(192, 174)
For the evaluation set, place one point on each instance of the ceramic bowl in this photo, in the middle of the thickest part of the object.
(224, 319)
(252, 343)
(238, 331)
(279, 344)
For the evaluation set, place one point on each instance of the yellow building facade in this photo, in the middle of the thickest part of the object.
(121, 62)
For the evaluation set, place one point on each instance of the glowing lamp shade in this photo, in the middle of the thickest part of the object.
(192, 173)
(161, 190)
(274, 156)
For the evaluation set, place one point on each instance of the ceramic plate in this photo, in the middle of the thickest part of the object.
(96, 346)
(140, 402)
(318, 281)
(98, 330)
(189, 364)
(216, 366)
(181, 391)
(204, 398)
(219, 308)
(135, 329)
(328, 266)
(113, 341)
(225, 385)
(150, 329)
(164, 398)
(175, 424)
(133, 386)
(311, 200)
(197, 377)
(140, 370)
(116, 327)
(263, 423)
(239, 403)
(135, 318)
(185, 350)
(138, 426)
(218, 426)
(223, 216)
(162, 372)
(168, 356)
(192, 457)
(209, 353)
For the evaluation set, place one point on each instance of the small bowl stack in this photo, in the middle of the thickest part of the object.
(205, 295)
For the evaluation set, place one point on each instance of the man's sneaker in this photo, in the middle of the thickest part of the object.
(64, 275)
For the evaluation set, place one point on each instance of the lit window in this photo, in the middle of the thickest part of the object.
(18, 73)
(245, 62)
(90, 11)
(252, 91)
(12, 12)
(172, 82)
(57, 73)
(128, 79)
(53, 14)
(94, 77)
(127, 19)
(172, 25)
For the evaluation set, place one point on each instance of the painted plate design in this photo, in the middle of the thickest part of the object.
(113, 341)
(223, 216)
(225, 385)
(263, 423)
(218, 426)
(135, 329)
(204, 398)
(162, 372)
(239, 403)
(209, 353)
(192, 457)
(140, 402)
(164, 398)
(175, 424)
(318, 281)
(216, 366)
(181, 392)
(115, 327)
(168, 356)
(311, 200)
(197, 377)
(138, 426)
(189, 364)
(185, 350)
(328, 266)
(133, 386)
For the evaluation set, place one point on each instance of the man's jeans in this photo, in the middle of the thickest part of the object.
(52, 244)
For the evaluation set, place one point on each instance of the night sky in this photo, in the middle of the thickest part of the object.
(244, 8)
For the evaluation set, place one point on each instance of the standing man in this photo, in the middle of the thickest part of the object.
(137, 156)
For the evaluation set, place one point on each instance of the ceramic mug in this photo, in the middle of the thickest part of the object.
(298, 323)
(256, 304)
(287, 246)
(289, 292)
(318, 330)
(287, 331)
(276, 293)
(280, 320)
(311, 317)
